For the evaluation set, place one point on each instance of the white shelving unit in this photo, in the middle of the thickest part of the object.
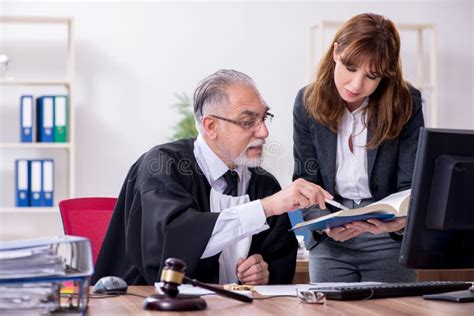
(44, 148)
(425, 83)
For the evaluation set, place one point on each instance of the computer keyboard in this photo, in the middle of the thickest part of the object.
(383, 290)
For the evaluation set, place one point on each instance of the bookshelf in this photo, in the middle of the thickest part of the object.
(42, 83)
(424, 78)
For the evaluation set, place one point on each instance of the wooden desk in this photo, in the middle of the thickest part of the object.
(302, 274)
(216, 305)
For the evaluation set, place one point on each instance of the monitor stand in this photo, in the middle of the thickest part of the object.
(458, 296)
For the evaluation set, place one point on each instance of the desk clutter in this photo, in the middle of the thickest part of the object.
(45, 275)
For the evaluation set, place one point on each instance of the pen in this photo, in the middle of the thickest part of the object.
(336, 204)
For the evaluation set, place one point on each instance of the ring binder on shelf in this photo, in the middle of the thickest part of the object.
(26, 118)
(36, 182)
(45, 119)
(22, 190)
(47, 190)
(60, 119)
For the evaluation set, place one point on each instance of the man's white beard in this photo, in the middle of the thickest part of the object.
(243, 160)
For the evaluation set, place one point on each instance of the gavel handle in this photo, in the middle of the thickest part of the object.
(223, 292)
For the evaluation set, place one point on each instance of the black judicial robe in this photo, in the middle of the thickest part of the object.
(163, 211)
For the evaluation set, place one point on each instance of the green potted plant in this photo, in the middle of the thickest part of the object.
(186, 127)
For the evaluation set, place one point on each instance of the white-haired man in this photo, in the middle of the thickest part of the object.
(207, 201)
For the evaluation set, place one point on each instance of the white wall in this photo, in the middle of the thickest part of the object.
(132, 58)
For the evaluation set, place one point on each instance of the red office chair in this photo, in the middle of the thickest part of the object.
(87, 217)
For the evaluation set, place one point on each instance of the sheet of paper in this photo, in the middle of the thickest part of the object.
(271, 290)
(194, 290)
(267, 290)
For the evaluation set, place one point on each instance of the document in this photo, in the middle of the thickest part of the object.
(190, 289)
(60, 257)
(32, 273)
(394, 205)
(30, 299)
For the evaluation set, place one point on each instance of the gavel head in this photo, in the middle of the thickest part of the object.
(172, 276)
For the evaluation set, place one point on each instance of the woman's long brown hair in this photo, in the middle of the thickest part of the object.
(364, 38)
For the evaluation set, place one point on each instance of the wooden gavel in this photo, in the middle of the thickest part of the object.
(172, 276)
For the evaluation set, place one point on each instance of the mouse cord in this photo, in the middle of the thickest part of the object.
(272, 296)
(104, 295)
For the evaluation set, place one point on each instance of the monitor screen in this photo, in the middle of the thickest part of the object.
(440, 226)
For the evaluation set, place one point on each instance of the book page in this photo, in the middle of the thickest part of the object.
(396, 203)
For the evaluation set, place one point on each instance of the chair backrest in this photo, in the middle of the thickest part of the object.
(87, 217)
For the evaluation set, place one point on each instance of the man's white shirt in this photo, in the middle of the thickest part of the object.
(239, 217)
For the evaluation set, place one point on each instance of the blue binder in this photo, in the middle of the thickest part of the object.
(45, 119)
(21, 183)
(26, 118)
(47, 190)
(36, 182)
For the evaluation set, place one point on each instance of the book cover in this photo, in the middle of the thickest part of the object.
(394, 205)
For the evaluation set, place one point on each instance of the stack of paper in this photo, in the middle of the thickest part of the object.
(31, 262)
(39, 297)
(32, 272)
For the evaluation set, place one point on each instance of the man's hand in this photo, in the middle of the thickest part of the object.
(299, 194)
(253, 270)
(373, 226)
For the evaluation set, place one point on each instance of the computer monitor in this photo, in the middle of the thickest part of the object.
(440, 226)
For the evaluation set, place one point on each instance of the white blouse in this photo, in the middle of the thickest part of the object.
(352, 179)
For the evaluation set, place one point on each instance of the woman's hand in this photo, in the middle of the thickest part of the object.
(373, 226)
(343, 233)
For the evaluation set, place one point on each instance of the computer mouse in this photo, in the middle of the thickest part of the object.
(110, 284)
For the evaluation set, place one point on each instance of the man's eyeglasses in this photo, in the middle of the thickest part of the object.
(248, 122)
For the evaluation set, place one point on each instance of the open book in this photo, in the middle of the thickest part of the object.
(394, 205)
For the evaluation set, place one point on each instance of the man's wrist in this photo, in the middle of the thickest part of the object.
(267, 206)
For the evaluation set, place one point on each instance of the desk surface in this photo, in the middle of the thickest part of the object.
(216, 305)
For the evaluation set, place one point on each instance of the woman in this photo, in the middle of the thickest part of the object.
(355, 134)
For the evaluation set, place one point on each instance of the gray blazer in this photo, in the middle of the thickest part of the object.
(390, 166)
